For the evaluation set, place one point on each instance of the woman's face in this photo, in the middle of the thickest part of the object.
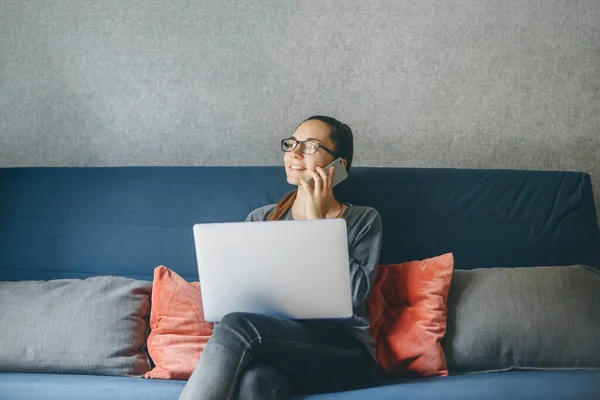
(297, 163)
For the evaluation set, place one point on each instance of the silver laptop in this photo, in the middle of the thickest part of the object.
(288, 269)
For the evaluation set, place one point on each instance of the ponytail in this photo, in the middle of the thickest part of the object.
(283, 206)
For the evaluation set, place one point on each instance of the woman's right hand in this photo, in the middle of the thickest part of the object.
(319, 196)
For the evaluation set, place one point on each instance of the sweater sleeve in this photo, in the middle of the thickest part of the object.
(364, 251)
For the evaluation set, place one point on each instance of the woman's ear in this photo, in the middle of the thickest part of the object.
(345, 163)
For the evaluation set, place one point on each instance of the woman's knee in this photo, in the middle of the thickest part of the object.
(262, 382)
(234, 322)
(243, 329)
(248, 324)
(235, 318)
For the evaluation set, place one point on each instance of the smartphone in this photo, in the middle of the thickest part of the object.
(340, 171)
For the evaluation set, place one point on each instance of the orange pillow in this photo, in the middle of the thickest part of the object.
(178, 329)
(408, 311)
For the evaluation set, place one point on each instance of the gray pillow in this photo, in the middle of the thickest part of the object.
(523, 318)
(92, 326)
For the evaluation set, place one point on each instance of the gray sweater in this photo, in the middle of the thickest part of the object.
(364, 244)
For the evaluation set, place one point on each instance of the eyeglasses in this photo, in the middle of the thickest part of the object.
(309, 146)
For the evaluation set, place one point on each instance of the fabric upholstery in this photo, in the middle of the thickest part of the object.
(408, 316)
(179, 332)
(92, 326)
(535, 317)
(80, 222)
(531, 385)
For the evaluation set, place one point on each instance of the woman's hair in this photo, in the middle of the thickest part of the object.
(342, 138)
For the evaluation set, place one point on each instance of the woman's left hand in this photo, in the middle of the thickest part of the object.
(320, 196)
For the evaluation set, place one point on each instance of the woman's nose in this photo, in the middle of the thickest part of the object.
(296, 150)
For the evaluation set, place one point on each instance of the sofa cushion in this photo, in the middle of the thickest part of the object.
(19, 386)
(178, 332)
(92, 326)
(543, 385)
(407, 307)
(530, 318)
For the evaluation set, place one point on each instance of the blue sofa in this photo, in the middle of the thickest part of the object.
(125, 221)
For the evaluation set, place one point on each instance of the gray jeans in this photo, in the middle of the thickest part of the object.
(251, 356)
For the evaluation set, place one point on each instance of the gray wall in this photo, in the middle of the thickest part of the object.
(469, 83)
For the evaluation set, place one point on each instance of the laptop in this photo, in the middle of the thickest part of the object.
(287, 269)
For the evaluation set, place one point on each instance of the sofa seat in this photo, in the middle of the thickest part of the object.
(491, 386)
(517, 385)
(18, 386)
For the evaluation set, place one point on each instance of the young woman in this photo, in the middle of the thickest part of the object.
(252, 356)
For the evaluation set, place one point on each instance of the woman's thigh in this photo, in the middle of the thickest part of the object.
(315, 357)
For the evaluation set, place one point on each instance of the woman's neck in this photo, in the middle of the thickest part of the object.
(299, 207)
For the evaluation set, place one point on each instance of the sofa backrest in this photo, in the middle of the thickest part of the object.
(81, 222)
